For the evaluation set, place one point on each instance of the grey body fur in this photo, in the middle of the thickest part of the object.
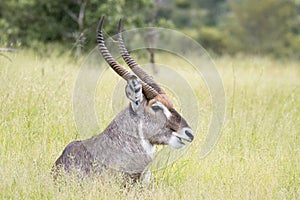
(120, 146)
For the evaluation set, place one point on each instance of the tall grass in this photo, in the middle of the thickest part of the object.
(257, 156)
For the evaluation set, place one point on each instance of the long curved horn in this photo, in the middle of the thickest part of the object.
(149, 92)
(144, 76)
(107, 56)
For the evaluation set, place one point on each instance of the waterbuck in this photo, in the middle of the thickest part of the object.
(128, 143)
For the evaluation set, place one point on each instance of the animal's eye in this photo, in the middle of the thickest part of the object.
(155, 108)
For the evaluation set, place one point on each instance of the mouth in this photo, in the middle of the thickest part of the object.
(185, 135)
(178, 139)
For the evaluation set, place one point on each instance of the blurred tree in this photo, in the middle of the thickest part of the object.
(151, 38)
(78, 18)
(212, 39)
(214, 10)
(262, 26)
(69, 21)
(253, 26)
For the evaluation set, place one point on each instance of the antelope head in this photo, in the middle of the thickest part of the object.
(158, 123)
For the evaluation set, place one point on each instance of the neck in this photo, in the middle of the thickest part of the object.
(147, 146)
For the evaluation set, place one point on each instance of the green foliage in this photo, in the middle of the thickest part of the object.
(265, 28)
(292, 45)
(270, 27)
(55, 21)
(184, 4)
(212, 39)
(215, 11)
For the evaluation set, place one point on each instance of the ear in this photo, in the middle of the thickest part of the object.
(134, 93)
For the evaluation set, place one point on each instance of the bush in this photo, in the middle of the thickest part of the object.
(264, 29)
(212, 39)
(183, 4)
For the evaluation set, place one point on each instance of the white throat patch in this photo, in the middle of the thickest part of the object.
(149, 148)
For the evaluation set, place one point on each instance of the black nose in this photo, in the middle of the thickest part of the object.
(189, 134)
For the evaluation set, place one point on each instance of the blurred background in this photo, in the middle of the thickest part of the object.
(269, 27)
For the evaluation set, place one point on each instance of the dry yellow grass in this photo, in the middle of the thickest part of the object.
(257, 156)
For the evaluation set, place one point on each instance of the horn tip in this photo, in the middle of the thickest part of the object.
(120, 25)
(101, 23)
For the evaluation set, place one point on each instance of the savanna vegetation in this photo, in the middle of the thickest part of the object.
(256, 157)
(268, 27)
(254, 45)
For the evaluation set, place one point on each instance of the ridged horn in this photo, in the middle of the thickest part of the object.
(148, 91)
(107, 56)
(144, 76)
